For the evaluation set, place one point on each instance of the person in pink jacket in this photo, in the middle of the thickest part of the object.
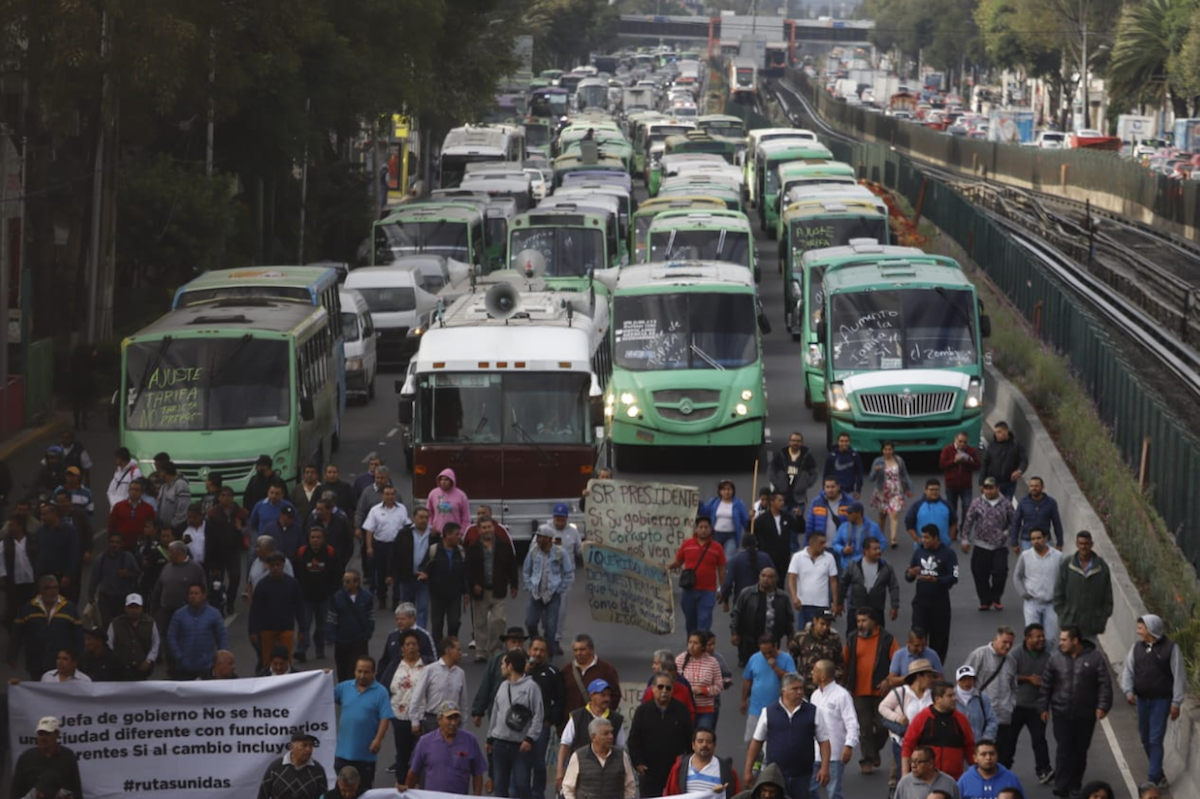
(448, 503)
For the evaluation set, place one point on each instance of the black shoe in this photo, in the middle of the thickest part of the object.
(1044, 777)
(391, 769)
(300, 657)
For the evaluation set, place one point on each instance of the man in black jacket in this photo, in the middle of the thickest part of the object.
(264, 477)
(661, 731)
(792, 472)
(554, 701)
(408, 550)
(492, 575)
(868, 582)
(760, 609)
(774, 531)
(445, 572)
(319, 572)
(1005, 460)
(1077, 691)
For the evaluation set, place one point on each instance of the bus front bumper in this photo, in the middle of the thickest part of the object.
(912, 436)
(745, 432)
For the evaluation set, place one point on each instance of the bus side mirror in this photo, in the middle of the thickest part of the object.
(405, 411)
(985, 326)
(757, 274)
(306, 409)
(822, 331)
(596, 411)
(764, 324)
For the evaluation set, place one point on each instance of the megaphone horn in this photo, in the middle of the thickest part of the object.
(502, 301)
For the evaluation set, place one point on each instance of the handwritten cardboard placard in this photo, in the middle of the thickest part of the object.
(648, 520)
(625, 589)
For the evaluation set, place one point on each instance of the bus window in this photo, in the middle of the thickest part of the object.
(684, 331)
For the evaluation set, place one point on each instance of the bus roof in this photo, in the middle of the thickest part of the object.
(924, 271)
(702, 219)
(433, 211)
(560, 217)
(793, 149)
(235, 318)
(652, 278)
(830, 206)
(794, 169)
(658, 205)
(313, 278)
(759, 134)
(861, 249)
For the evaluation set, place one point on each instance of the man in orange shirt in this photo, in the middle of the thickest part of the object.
(867, 655)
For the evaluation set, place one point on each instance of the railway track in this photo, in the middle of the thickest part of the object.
(1142, 282)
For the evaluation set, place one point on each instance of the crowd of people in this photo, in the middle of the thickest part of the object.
(784, 570)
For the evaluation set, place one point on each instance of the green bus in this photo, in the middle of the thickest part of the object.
(453, 230)
(702, 236)
(687, 361)
(217, 386)
(801, 175)
(723, 125)
(757, 138)
(904, 357)
(575, 162)
(573, 244)
(649, 209)
(690, 185)
(769, 156)
(811, 226)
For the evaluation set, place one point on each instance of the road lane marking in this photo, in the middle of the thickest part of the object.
(1119, 756)
(368, 456)
(393, 432)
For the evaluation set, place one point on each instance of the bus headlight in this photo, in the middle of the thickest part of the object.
(627, 398)
(610, 400)
(837, 397)
(632, 411)
(741, 409)
(815, 357)
(747, 394)
(975, 393)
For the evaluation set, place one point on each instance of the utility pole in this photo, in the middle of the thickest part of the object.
(212, 104)
(303, 185)
(93, 265)
(1083, 73)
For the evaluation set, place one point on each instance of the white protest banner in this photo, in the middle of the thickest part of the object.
(417, 793)
(178, 740)
(625, 589)
(649, 520)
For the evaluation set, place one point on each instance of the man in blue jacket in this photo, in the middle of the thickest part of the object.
(987, 778)
(852, 534)
(195, 634)
(827, 512)
(845, 465)
(932, 509)
(350, 623)
(1037, 510)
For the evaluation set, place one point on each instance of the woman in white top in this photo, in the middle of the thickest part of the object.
(902, 703)
(730, 519)
(403, 683)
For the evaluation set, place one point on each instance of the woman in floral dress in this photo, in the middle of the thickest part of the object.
(403, 682)
(890, 476)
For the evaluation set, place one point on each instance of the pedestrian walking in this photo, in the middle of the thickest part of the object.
(174, 495)
(277, 605)
(813, 580)
(703, 673)
(226, 544)
(304, 495)
(319, 572)
(996, 678)
(988, 777)
(517, 714)
(441, 681)
(828, 511)
(338, 528)
(1153, 679)
(934, 568)
(761, 680)
(852, 535)
(931, 509)
(599, 770)
(401, 679)
(870, 583)
(408, 553)
(901, 704)
(343, 493)
(97, 660)
(46, 624)
(796, 739)
(942, 728)
(1036, 579)
(547, 575)
(891, 487)
(701, 565)
(767, 785)
(985, 529)
(365, 500)
(406, 619)
(868, 653)
(58, 551)
(195, 634)
(124, 475)
(743, 570)
(257, 486)
(47, 760)
(584, 669)
(916, 647)
(976, 706)
(549, 681)
(730, 518)
(448, 503)
(134, 640)
(445, 570)
(775, 530)
(566, 535)
(701, 769)
(366, 713)
(575, 734)
(350, 623)
(1004, 459)
(128, 514)
(1037, 510)
(380, 529)
(819, 641)
(792, 472)
(1083, 595)
(1076, 693)
(663, 660)
(447, 759)
(959, 462)
(844, 464)
(115, 575)
(493, 677)
(18, 554)
(841, 723)
(1031, 659)
(760, 610)
(296, 775)
(492, 576)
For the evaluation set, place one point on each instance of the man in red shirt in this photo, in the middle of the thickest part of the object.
(128, 517)
(703, 567)
(944, 730)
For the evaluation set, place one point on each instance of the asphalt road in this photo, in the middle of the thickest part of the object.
(372, 428)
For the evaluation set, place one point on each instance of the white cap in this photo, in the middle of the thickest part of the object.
(48, 724)
(134, 599)
(964, 671)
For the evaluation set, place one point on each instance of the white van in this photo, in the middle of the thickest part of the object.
(361, 360)
(395, 299)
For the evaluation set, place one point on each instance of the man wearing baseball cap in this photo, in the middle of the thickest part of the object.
(447, 759)
(567, 536)
(575, 734)
(548, 573)
(296, 775)
(134, 640)
(46, 759)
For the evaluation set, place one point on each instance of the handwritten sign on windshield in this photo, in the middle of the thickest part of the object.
(625, 589)
(873, 340)
(171, 398)
(814, 237)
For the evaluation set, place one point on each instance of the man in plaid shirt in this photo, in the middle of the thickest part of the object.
(296, 775)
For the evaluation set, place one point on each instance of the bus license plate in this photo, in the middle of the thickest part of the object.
(645, 435)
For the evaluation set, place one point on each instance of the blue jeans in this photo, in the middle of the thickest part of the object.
(1153, 715)
(417, 592)
(834, 788)
(545, 613)
(539, 762)
(1008, 489)
(806, 614)
(957, 500)
(312, 614)
(797, 787)
(728, 541)
(1042, 613)
(698, 609)
(510, 763)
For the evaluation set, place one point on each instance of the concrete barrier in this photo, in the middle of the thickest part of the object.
(1006, 403)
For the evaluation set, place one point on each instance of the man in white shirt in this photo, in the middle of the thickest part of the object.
(835, 706)
(1035, 577)
(798, 723)
(66, 669)
(813, 581)
(443, 680)
(126, 472)
(380, 528)
(193, 534)
(17, 553)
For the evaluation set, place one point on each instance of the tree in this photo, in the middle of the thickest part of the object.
(1148, 60)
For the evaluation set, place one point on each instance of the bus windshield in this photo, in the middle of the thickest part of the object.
(703, 245)
(443, 238)
(536, 135)
(818, 233)
(569, 252)
(929, 328)
(728, 130)
(684, 331)
(207, 384)
(205, 296)
(490, 408)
